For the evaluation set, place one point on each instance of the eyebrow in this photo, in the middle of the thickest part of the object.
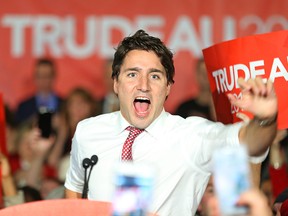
(151, 70)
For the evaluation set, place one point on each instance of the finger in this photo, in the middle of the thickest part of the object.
(270, 88)
(231, 98)
(235, 101)
(254, 87)
(244, 85)
(261, 85)
(243, 117)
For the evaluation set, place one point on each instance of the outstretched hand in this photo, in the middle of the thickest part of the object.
(39, 144)
(258, 97)
(5, 166)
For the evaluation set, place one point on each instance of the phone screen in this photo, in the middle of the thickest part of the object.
(44, 123)
(133, 190)
(232, 177)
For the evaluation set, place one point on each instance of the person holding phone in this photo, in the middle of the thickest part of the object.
(45, 96)
(253, 198)
(179, 149)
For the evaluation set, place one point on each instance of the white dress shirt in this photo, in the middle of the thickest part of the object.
(179, 150)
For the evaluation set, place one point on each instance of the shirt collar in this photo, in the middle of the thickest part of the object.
(156, 127)
(153, 129)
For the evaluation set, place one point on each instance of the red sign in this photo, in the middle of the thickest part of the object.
(264, 55)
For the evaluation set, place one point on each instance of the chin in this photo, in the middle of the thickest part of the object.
(141, 123)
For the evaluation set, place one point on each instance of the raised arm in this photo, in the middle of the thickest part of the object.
(260, 99)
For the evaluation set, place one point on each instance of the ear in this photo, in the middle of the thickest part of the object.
(115, 86)
(168, 90)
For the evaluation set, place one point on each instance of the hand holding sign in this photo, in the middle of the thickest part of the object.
(255, 59)
(258, 98)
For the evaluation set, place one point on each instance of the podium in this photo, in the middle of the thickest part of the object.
(61, 207)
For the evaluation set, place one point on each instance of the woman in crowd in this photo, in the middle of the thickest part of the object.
(79, 105)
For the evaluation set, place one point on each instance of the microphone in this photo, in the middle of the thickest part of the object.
(93, 161)
(86, 164)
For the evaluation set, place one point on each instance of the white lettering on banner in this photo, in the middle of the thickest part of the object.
(184, 37)
(57, 34)
(17, 25)
(90, 42)
(150, 24)
(229, 30)
(109, 23)
(272, 23)
(47, 34)
(278, 70)
(235, 109)
(255, 69)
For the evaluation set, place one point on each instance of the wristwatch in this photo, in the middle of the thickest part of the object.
(266, 122)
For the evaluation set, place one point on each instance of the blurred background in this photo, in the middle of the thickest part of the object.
(81, 35)
(58, 55)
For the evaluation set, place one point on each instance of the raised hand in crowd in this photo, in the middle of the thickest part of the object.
(8, 185)
(32, 152)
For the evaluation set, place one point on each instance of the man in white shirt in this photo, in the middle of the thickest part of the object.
(179, 149)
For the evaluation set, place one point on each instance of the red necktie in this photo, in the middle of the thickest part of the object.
(127, 147)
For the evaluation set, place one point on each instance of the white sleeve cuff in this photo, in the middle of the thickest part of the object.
(259, 159)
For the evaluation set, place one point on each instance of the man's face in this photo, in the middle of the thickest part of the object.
(141, 87)
(44, 78)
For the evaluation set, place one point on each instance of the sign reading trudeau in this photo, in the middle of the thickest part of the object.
(263, 55)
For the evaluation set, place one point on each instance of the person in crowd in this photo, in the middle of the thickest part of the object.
(9, 188)
(179, 149)
(202, 104)
(52, 188)
(274, 173)
(28, 165)
(79, 105)
(11, 194)
(203, 208)
(10, 130)
(284, 208)
(110, 102)
(254, 199)
(45, 96)
(279, 201)
(278, 170)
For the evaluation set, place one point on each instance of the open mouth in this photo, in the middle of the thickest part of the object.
(142, 104)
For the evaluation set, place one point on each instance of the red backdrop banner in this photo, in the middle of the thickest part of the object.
(3, 147)
(79, 35)
(263, 55)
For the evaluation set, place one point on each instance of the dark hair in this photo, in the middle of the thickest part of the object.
(46, 61)
(86, 96)
(142, 41)
(31, 194)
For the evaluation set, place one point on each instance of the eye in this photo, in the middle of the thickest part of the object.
(155, 76)
(132, 74)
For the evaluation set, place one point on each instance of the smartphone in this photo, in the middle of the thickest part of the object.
(45, 123)
(133, 190)
(231, 175)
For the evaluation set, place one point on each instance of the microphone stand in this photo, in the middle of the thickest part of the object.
(86, 164)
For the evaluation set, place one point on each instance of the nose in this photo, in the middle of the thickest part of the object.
(143, 84)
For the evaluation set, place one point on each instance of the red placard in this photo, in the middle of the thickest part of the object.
(263, 55)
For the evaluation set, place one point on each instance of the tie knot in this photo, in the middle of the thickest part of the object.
(134, 130)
